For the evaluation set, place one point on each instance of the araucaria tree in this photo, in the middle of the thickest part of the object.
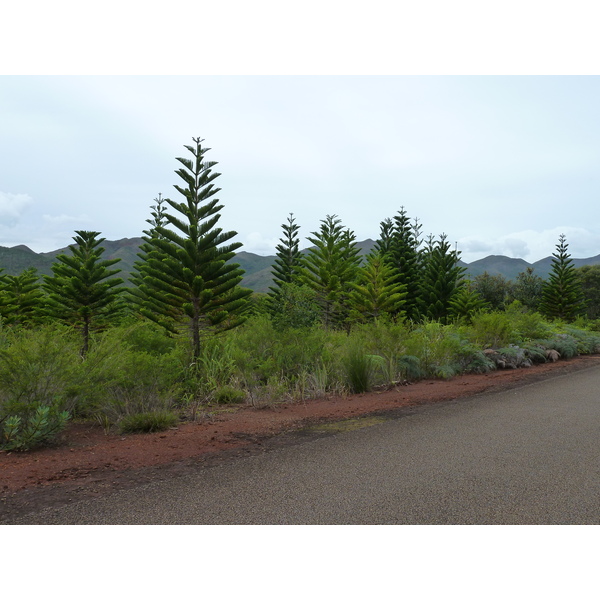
(287, 261)
(399, 244)
(83, 290)
(21, 298)
(329, 267)
(185, 272)
(562, 296)
(442, 279)
(377, 293)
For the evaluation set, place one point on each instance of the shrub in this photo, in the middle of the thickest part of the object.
(148, 422)
(437, 348)
(117, 381)
(31, 428)
(492, 330)
(39, 368)
(227, 394)
(359, 368)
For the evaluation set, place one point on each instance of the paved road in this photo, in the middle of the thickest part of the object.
(527, 456)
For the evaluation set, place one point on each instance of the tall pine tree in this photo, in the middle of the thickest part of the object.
(288, 258)
(442, 279)
(83, 290)
(562, 296)
(21, 298)
(329, 267)
(377, 293)
(187, 275)
(399, 244)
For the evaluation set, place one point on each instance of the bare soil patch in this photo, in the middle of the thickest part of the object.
(87, 462)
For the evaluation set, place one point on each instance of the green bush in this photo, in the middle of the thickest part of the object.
(148, 422)
(117, 380)
(32, 428)
(39, 367)
(438, 348)
(228, 394)
(492, 330)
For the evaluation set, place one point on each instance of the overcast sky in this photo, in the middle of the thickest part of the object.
(501, 165)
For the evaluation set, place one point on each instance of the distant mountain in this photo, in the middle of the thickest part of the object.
(258, 268)
(496, 265)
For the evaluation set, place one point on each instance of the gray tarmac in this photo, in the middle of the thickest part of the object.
(530, 455)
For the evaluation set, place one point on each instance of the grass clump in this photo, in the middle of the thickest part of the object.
(148, 422)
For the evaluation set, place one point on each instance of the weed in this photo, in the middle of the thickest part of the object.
(148, 422)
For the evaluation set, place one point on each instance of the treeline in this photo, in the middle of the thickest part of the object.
(186, 335)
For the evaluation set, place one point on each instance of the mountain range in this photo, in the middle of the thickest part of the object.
(15, 260)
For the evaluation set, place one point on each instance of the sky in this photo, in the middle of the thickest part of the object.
(500, 163)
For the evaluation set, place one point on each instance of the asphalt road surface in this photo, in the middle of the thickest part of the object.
(525, 456)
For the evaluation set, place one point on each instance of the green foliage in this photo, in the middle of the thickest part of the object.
(376, 292)
(491, 330)
(588, 277)
(148, 422)
(329, 267)
(118, 378)
(228, 394)
(39, 367)
(527, 289)
(21, 298)
(438, 348)
(442, 279)
(36, 426)
(359, 368)
(287, 261)
(493, 289)
(465, 304)
(294, 306)
(562, 297)
(399, 245)
(526, 325)
(82, 291)
(185, 276)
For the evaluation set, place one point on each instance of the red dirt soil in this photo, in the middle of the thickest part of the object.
(88, 462)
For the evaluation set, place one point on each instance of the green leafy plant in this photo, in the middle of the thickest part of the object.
(31, 428)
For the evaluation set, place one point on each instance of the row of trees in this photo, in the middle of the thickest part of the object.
(185, 277)
(403, 278)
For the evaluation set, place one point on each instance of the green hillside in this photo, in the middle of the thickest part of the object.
(258, 277)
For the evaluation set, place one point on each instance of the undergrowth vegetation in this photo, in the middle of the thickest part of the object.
(135, 378)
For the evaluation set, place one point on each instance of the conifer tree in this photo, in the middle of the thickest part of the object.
(83, 290)
(329, 267)
(562, 297)
(188, 279)
(399, 244)
(377, 292)
(288, 258)
(21, 298)
(153, 301)
(466, 302)
(442, 279)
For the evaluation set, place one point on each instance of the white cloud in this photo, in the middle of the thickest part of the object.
(532, 245)
(12, 206)
(255, 243)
